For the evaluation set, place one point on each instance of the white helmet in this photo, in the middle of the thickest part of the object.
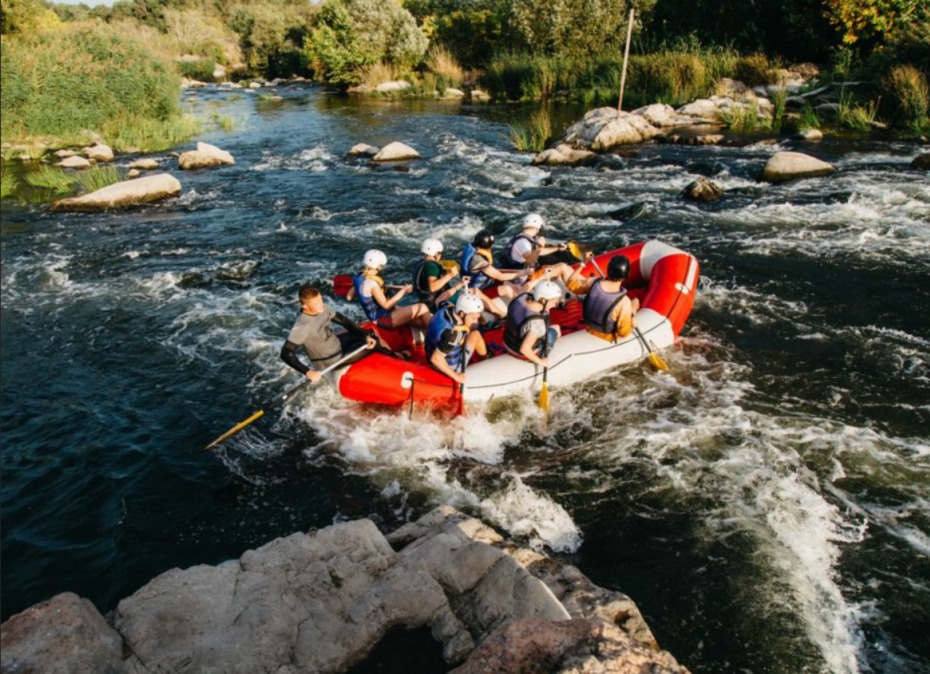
(374, 259)
(431, 247)
(469, 303)
(547, 290)
(533, 221)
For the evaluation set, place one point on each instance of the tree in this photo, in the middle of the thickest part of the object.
(347, 35)
(26, 16)
(875, 20)
(574, 26)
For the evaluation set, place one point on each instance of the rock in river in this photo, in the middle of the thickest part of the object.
(204, 156)
(564, 155)
(74, 162)
(703, 189)
(790, 165)
(61, 635)
(362, 150)
(396, 151)
(921, 161)
(604, 128)
(321, 601)
(122, 194)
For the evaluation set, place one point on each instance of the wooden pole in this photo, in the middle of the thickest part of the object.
(626, 56)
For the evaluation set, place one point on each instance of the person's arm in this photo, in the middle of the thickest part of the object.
(289, 356)
(526, 348)
(436, 284)
(386, 303)
(349, 324)
(493, 272)
(438, 360)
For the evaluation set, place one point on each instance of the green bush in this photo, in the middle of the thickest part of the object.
(271, 37)
(348, 35)
(197, 70)
(98, 177)
(532, 136)
(754, 70)
(472, 30)
(83, 77)
(908, 88)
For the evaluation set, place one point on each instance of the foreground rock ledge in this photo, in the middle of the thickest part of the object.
(320, 602)
(123, 194)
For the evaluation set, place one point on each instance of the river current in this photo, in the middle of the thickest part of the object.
(766, 502)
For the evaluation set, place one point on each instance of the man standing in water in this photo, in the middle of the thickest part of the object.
(313, 330)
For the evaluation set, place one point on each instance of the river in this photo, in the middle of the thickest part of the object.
(766, 502)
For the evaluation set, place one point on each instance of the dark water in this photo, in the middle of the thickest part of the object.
(765, 503)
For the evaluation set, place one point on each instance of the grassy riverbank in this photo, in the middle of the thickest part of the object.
(82, 81)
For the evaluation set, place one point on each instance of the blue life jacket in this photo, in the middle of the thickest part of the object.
(479, 279)
(371, 308)
(443, 322)
(518, 316)
(598, 305)
(509, 260)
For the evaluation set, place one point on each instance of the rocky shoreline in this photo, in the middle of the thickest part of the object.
(321, 601)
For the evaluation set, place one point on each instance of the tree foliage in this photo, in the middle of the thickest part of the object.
(574, 26)
(26, 16)
(347, 35)
(474, 31)
(874, 19)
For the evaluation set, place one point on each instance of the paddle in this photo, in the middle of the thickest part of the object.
(654, 358)
(281, 400)
(343, 283)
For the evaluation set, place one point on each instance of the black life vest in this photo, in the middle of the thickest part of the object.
(509, 259)
(518, 316)
(599, 305)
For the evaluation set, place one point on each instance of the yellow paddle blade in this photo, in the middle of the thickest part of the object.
(448, 265)
(543, 401)
(235, 429)
(657, 361)
(575, 249)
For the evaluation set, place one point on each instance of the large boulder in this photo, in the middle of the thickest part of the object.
(564, 155)
(703, 189)
(790, 165)
(204, 156)
(604, 128)
(99, 152)
(396, 151)
(122, 194)
(921, 162)
(62, 635)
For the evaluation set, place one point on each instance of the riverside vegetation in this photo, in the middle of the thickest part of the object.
(73, 74)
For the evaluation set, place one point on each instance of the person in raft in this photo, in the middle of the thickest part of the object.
(453, 336)
(608, 312)
(527, 250)
(430, 281)
(368, 288)
(478, 263)
(527, 333)
(313, 330)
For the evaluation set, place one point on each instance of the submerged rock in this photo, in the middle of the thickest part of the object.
(204, 156)
(64, 634)
(604, 128)
(322, 601)
(703, 189)
(809, 135)
(396, 151)
(921, 162)
(122, 194)
(790, 165)
(564, 155)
